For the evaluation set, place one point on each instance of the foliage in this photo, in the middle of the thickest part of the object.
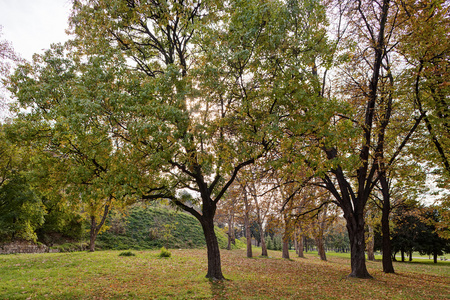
(164, 252)
(21, 210)
(415, 230)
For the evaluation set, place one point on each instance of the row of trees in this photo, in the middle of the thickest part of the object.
(178, 99)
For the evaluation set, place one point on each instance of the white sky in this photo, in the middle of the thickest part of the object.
(32, 25)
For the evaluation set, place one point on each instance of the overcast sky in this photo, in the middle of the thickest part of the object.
(32, 25)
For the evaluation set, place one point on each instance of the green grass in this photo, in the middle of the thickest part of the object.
(106, 275)
(151, 227)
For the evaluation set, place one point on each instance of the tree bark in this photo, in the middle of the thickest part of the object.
(285, 253)
(388, 267)
(230, 231)
(248, 234)
(300, 246)
(263, 240)
(95, 229)
(321, 248)
(355, 227)
(370, 245)
(214, 264)
(92, 235)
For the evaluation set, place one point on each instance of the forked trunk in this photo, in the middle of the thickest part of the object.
(214, 265)
(95, 228)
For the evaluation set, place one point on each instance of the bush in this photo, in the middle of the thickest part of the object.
(127, 253)
(164, 252)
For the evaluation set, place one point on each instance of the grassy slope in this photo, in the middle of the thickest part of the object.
(105, 275)
(149, 227)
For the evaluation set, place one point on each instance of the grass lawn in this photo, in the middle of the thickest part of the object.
(106, 275)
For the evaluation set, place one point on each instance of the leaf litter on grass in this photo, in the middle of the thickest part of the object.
(144, 276)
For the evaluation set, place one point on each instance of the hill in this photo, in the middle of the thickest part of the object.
(151, 227)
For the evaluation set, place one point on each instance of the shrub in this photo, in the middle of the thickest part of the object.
(127, 253)
(164, 252)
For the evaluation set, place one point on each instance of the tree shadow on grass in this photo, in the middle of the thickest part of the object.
(219, 289)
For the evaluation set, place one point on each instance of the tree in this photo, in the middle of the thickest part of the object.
(428, 56)
(415, 230)
(428, 240)
(21, 210)
(372, 87)
(211, 79)
(75, 155)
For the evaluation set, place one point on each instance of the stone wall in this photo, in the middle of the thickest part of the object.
(24, 247)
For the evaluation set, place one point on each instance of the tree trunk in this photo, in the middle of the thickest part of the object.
(403, 255)
(214, 264)
(388, 267)
(248, 234)
(285, 253)
(263, 240)
(321, 248)
(93, 234)
(371, 245)
(410, 255)
(95, 229)
(249, 240)
(355, 227)
(435, 255)
(300, 246)
(230, 232)
(393, 256)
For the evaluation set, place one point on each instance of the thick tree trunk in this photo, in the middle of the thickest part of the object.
(355, 227)
(435, 255)
(403, 255)
(410, 255)
(214, 264)
(321, 248)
